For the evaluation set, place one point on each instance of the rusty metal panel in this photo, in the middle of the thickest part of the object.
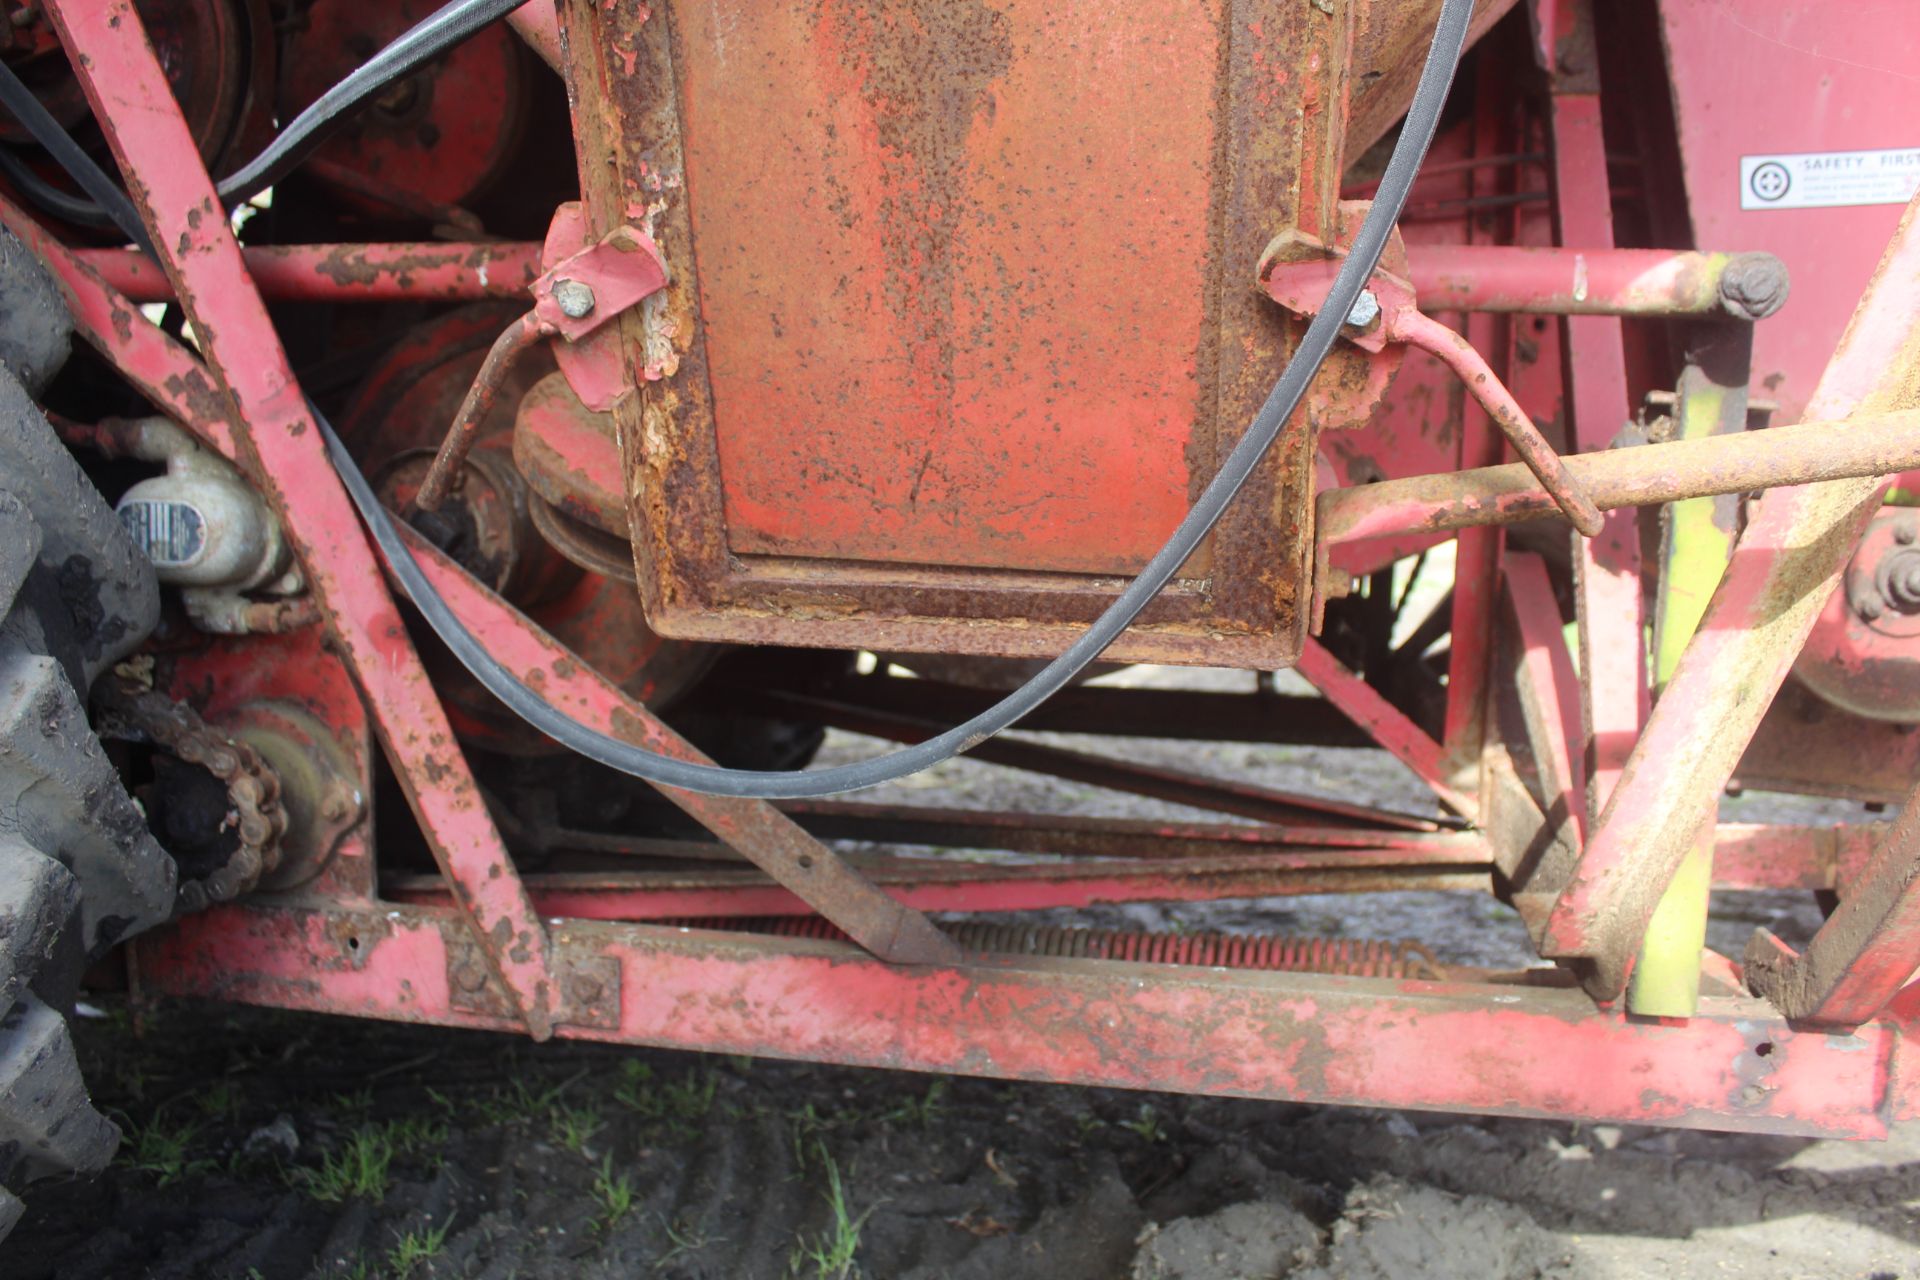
(962, 311)
(954, 269)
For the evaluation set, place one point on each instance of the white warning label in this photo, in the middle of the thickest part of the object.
(1823, 179)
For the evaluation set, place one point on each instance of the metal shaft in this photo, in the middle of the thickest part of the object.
(1871, 445)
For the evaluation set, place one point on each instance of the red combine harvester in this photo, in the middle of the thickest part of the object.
(433, 568)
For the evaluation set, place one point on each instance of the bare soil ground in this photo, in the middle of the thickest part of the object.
(273, 1145)
(280, 1146)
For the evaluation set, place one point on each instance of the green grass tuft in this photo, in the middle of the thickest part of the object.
(1147, 1125)
(160, 1147)
(357, 1169)
(574, 1127)
(613, 1192)
(829, 1255)
(415, 1248)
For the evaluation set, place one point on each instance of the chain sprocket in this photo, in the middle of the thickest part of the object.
(131, 709)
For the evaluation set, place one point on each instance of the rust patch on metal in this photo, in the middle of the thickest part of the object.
(356, 937)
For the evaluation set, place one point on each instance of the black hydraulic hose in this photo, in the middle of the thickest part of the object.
(1423, 116)
(433, 35)
(110, 205)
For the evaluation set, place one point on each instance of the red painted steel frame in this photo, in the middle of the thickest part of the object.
(1499, 1049)
(1607, 567)
(1387, 723)
(1343, 859)
(1784, 564)
(1867, 950)
(1356, 1041)
(763, 833)
(131, 97)
(1746, 857)
(933, 885)
(1537, 1048)
(167, 373)
(429, 272)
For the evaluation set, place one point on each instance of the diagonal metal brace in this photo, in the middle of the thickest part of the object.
(176, 381)
(1788, 558)
(766, 837)
(279, 448)
(1865, 952)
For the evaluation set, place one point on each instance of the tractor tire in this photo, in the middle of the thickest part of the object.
(79, 869)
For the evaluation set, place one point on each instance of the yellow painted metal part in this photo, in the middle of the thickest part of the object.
(1695, 544)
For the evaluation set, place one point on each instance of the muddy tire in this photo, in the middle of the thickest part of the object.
(79, 869)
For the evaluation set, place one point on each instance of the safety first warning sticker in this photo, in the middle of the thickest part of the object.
(1823, 179)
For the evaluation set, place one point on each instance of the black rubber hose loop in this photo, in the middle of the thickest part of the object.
(1416, 134)
(425, 40)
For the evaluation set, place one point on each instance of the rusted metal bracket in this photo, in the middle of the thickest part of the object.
(571, 300)
(1298, 273)
(765, 836)
(586, 987)
(594, 358)
(577, 295)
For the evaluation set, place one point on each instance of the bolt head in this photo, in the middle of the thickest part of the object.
(584, 988)
(469, 975)
(575, 299)
(1753, 286)
(1366, 309)
(1905, 531)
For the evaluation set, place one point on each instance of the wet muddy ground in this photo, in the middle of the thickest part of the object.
(278, 1145)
